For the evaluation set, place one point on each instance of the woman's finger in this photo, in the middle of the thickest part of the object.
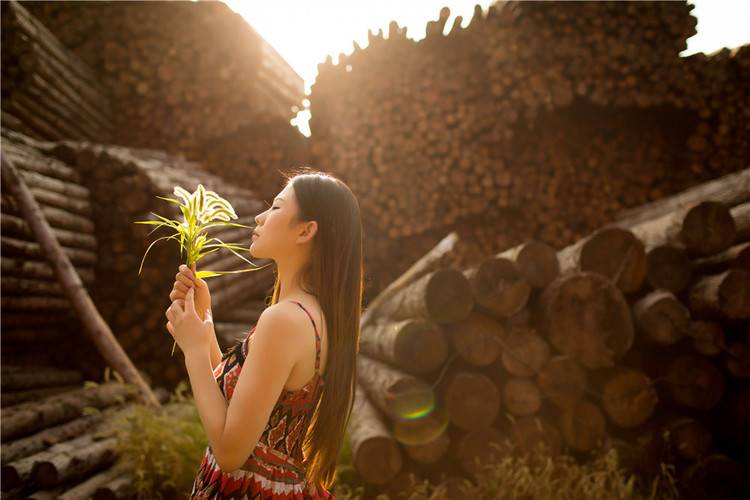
(182, 278)
(170, 328)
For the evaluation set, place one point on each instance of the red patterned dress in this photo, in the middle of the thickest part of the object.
(275, 469)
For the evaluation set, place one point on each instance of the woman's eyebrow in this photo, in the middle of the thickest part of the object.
(278, 198)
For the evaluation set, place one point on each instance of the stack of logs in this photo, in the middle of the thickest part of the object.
(92, 195)
(37, 320)
(47, 91)
(172, 91)
(513, 124)
(640, 328)
(56, 441)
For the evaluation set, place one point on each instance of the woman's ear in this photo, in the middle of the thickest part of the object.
(310, 229)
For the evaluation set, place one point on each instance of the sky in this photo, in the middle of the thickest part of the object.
(304, 32)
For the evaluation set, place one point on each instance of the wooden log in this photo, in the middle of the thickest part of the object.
(45, 438)
(736, 256)
(478, 446)
(736, 357)
(419, 268)
(477, 338)
(716, 477)
(741, 215)
(27, 418)
(74, 463)
(224, 298)
(87, 488)
(628, 397)
(723, 295)
(230, 333)
(397, 394)
(661, 317)
(731, 189)
(20, 471)
(521, 396)
(694, 382)
(733, 414)
(470, 398)
(524, 351)
(690, 438)
(375, 455)
(18, 227)
(562, 380)
(406, 480)
(705, 228)
(585, 315)
(443, 296)
(610, 251)
(668, 266)
(13, 398)
(582, 426)
(247, 314)
(34, 303)
(121, 487)
(537, 262)
(428, 452)
(527, 433)
(33, 251)
(498, 286)
(414, 345)
(39, 378)
(41, 270)
(707, 337)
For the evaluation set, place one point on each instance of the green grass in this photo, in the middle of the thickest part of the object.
(538, 476)
(162, 449)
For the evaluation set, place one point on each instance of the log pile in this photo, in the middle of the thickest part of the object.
(48, 92)
(117, 187)
(37, 319)
(535, 121)
(56, 441)
(581, 348)
(226, 104)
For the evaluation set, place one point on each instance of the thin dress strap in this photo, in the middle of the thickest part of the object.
(317, 338)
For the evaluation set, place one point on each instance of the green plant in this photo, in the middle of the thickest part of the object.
(161, 448)
(539, 476)
(201, 210)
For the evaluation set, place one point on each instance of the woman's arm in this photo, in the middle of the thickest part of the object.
(215, 348)
(233, 429)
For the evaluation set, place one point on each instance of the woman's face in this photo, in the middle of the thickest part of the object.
(273, 231)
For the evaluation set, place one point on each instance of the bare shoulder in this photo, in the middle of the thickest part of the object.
(280, 320)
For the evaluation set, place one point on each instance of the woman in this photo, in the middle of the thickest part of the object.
(275, 406)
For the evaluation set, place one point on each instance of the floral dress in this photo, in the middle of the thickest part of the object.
(275, 468)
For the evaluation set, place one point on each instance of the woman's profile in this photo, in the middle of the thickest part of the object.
(275, 405)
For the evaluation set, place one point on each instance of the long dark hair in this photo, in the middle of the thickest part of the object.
(335, 274)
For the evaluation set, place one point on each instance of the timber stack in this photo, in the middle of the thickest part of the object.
(589, 347)
(57, 437)
(38, 322)
(48, 92)
(226, 104)
(92, 195)
(535, 120)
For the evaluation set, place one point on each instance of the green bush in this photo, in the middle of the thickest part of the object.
(162, 449)
(539, 476)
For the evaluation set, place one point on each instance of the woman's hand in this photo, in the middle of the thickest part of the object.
(191, 333)
(186, 279)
